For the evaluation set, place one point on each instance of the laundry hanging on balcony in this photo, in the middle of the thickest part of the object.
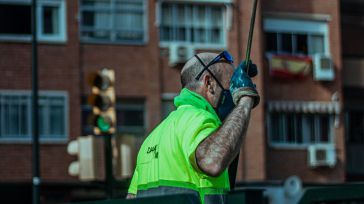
(289, 66)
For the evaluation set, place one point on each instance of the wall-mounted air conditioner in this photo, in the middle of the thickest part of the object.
(323, 69)
(321, 155)
(180, 53)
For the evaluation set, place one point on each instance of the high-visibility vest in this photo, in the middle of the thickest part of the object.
(167, 156)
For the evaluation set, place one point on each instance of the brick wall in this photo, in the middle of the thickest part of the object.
(58, 70)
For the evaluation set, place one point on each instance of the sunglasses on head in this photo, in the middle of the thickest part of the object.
(225, 56)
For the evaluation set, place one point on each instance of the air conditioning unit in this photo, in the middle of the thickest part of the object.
(323, 68)
(321, 155)
(180, 53)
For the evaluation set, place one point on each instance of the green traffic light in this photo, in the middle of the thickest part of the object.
(103, 123)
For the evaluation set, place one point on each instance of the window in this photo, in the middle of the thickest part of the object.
(116, 21)
(15, 20)
(301, 123)
(300, 128)
(130, 117)
(15, 115)
(295, 37)
(355, 126)
(200, 24)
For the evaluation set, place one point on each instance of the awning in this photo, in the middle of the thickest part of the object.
(332, 107)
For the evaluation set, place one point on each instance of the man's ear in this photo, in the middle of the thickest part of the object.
(209, 84)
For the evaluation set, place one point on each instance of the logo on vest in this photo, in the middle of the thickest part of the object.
(154, 150)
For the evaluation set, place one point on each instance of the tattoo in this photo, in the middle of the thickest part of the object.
(216, 152)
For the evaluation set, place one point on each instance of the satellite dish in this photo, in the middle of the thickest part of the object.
(292, 186)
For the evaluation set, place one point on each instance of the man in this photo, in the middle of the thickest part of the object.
(190, 151)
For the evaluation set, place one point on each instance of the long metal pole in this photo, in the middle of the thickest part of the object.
(234, 165)
(35, 137)
(250, 37)
(109, 184)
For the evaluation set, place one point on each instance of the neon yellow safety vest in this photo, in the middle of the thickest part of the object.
(167, 156)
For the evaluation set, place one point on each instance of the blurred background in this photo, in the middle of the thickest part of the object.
(310, 56)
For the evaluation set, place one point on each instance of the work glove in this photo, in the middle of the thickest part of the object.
(242, 85)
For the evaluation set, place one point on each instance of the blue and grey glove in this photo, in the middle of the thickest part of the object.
(241, 84)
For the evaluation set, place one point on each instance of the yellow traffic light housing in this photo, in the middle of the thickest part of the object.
(103, 100)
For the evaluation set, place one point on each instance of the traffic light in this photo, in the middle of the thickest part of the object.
(102, 100)
(86, 167)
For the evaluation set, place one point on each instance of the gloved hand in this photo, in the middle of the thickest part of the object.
(241, 84)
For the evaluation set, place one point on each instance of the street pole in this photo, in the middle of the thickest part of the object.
(35, 136)
(234, 164)
(109, 178)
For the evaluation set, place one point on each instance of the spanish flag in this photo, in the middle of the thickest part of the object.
(289, 66)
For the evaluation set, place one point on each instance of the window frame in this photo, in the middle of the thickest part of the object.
(41, 37)
(28, 138)
(123, 42)
(298, 26)
(226, 27)
(62, 15)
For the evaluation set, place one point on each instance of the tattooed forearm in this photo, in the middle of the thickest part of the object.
(217, 151)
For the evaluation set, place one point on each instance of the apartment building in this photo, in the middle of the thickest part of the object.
(298, 128)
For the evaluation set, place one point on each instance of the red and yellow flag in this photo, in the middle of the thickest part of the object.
(288, 66)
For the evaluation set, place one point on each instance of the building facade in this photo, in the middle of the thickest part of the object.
(298, 128)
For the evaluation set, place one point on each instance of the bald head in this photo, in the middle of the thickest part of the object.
(211, 83)
(193, 67)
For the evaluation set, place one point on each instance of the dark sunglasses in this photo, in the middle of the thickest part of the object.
(222, 56)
